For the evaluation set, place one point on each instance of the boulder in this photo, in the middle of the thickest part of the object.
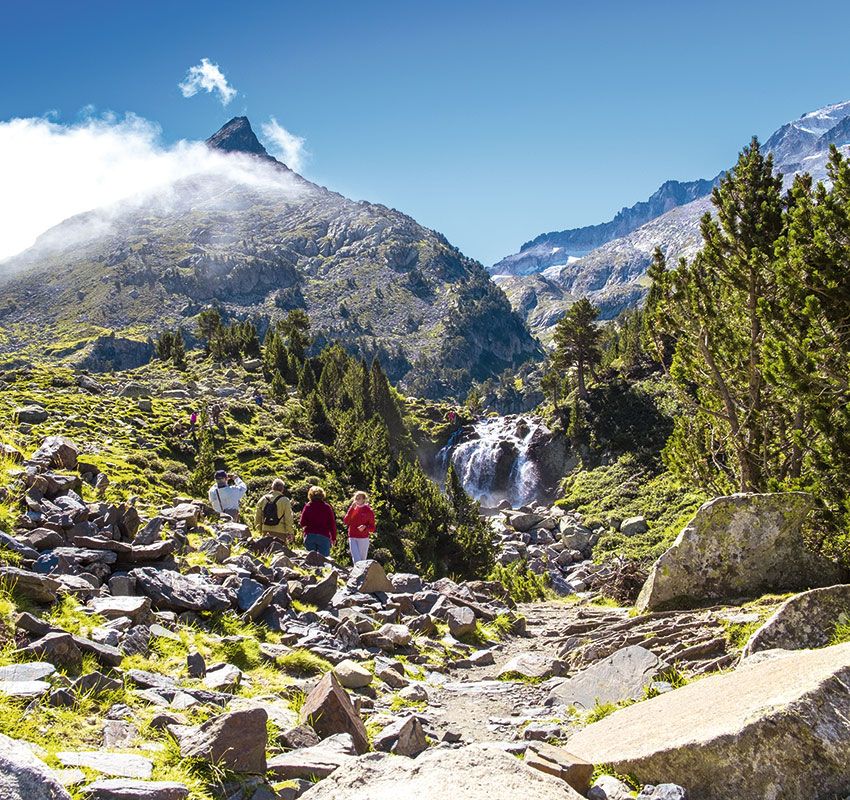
(236, 740)
(122, 765)
(524, 522)
(31, 585)
(120, 789)
(530, 665)
(25, 777)
(607, 787)
(57, 452)
(461, 621)
(778, 728)
(664, 791)
(31, 415)
(171, 591)
(741, 545)
(621, 676)
(632, 526)
(406, 582)
(404, 737)
(317, 761)
(58, 648)
(369, 577)
(351, 675)
(136, 609)
(561, 763)
(321, 593)
(329, 710)
(804, 621)
(476, 772)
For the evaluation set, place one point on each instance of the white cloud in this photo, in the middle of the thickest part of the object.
(284, 145)
(208, 77)
(52, 171)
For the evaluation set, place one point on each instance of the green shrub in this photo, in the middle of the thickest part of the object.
(521, 584)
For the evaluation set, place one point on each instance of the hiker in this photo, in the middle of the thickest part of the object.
(360, 520)
(258, 398)
(274, 513)
(318, 522)
(215, 415)
(226, 494)
(193, 421)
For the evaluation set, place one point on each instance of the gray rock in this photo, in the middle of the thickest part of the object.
(404, 737)
(461, 621)
(171, 591)
(24, 688)
(223, 678)
(607, 787)
(236, 740)
(31, 415)
(804, 621)
(352, 675)
(30, 585)
(137, 609)
(621, 676)
(321, 593)
(25, 777)
(122, 765)
(406, 582)
(59, 649)
(664, 791)
(476, 772)
(524, 522)
(741, 545)
(32, 671)
(196, 666)
(317, 761)
(120, 789)
(778, 728)
(57, 452)
(530, 665)
(632, 526)
(369, 577)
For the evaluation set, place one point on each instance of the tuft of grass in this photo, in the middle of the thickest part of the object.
(602, 710)
(518, 677)
(303, 662)
(67, 613)
(606, 769)
(605, 602)
(303, 608)
(841, 632)
(399, 703)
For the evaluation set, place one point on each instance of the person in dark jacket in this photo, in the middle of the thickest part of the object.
(318, 522)
(360, 520)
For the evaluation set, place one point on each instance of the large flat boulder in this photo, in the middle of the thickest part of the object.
(171, 591)
(25, 777)
(622, 676)
(475, 772)
(774, 730)
(806, 620)
(742, 545)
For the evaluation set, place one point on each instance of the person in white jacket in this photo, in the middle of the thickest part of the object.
(226, 494)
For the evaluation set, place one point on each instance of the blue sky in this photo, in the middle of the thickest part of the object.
(489, 121)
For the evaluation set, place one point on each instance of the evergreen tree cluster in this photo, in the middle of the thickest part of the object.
(225, 341)
(755, 335)
(170, 346)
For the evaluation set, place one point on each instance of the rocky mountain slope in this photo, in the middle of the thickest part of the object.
(608, 262)
(256, 240)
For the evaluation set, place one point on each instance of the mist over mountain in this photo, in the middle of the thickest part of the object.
(256, 240)
(608, 262)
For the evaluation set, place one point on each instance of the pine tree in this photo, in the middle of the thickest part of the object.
(577, 342)
(209, 323)
(178, 350)
(466, 510)
(716, 308)
(204, 470)
(295, 330)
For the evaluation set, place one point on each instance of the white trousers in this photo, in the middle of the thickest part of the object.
(359, 549)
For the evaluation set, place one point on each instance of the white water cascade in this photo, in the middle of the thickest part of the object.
(493, 460)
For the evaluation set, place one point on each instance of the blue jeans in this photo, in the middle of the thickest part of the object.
(321, 544)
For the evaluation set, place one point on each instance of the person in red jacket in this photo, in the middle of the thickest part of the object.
(360, 520)
(318, 522)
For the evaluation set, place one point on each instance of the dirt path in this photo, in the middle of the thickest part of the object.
(473, 704)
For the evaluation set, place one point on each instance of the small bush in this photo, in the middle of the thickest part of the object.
(521, 584)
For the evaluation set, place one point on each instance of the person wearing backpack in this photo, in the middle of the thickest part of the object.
(360, 520)
(274, 513)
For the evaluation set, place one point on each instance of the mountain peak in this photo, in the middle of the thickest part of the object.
(237, 136)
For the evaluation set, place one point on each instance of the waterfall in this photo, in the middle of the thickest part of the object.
(493, 459)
